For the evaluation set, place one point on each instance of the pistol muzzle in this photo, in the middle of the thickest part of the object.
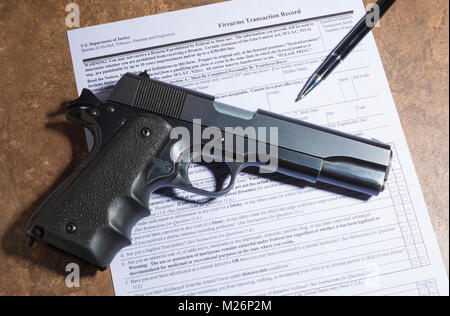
(355, 175)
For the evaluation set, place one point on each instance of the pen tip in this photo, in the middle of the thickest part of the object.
(300, 97)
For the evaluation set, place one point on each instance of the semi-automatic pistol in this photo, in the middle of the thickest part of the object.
(148, 134)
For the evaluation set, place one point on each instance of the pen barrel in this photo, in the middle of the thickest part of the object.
(353, 38)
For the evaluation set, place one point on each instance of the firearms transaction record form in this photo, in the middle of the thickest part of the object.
(275, 235)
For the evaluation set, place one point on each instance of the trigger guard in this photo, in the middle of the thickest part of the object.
(182, 181)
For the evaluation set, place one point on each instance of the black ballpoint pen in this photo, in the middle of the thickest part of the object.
(344, 48)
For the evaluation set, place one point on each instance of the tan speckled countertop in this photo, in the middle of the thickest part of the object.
(38, 148)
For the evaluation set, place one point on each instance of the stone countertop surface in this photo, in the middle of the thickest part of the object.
(39, 149)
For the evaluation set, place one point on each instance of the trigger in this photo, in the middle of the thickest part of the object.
(183, 173)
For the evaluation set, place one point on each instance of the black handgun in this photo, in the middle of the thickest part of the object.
(139, 148)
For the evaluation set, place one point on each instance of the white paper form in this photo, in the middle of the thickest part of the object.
(270, 236)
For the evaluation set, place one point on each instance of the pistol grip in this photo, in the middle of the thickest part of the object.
(92, 214)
